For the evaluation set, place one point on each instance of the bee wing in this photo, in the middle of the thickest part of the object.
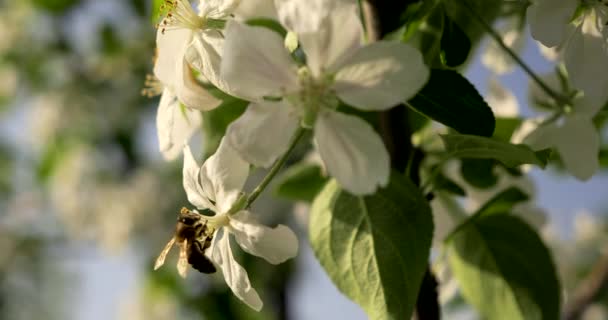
(182, 262)
(163, 254)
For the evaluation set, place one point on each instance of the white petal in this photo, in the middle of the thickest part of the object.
(170, 48)
(549, 21)
(191, 173)
(256, 62)
(235, 276)
(204, 56)
(256, 9)
(577, 142)
(328, 30)
(225, 173)
(218, 9)
(381, 75)
(352, 152)
(175, 125)
(263, 132)
(585, 56)
(502, 101)
(191, 93)
(273, 244)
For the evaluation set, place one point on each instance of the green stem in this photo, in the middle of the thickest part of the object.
(560, 99)
(275, 168)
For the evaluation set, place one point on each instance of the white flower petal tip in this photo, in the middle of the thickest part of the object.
(381, 75)
(275, 245)
(353, 152)
(549, 23)
(577, 142)
(263, 132)
(236, 277)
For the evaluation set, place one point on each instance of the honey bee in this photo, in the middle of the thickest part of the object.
(193, 237)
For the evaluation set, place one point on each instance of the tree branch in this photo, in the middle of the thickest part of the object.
(589, 289)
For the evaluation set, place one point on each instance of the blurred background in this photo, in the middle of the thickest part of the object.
(87, 202)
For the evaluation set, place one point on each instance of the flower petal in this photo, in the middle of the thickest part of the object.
(585, 57)
(236, 277)
(328, 30)
(352, 152)
(263, 132)
(190, 92)
(256, 9)
(549, 23)
(192, 185)
(204, 56)
(273, 244)
(175, 125)
(381, 75)
(218, 9)
(577, 142)
(256, 62)
(170, 47)
(224, 173)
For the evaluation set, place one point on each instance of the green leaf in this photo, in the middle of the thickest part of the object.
(504, 269)
(446, 184)
(217, 120)
(503, 202)
(455, 44)
(449, 98)
(479, 172)
(511, 155)
(505, 128)
(301, 182)
(55, 6)
(374, 248)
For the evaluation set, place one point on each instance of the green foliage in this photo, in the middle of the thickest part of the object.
(455, 44)
(217, 120)
(504, 269)
(449, 98)
(511, 155)
(269, 24)
(374, 248)
(479, 172)
(301, 182)
(503, 202)
(55, 6)
(505, 128)
(446, 184)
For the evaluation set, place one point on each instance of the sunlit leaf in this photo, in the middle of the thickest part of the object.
(374, 248)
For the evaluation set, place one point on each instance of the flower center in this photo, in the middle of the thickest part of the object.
(215, 221)
(152, 87)
(316, 93)
(180, 14)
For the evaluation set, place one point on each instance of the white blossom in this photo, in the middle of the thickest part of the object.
(371, 78)
(581, 37)
(216, 186)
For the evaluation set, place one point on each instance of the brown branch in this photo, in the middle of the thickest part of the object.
(589, 289)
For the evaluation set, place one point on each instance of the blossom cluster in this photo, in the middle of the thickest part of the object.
(577, 30)
(292, 86)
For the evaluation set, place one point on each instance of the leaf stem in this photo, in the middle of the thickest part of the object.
(275, 168)
(559, 98)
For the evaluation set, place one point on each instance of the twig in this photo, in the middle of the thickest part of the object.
(589, 289)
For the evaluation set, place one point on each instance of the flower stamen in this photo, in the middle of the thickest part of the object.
(152, 87)
(180, 14)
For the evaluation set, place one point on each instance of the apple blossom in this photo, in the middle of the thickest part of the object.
(216, 187)
(371, 78)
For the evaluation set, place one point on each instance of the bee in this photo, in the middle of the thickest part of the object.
(193, 237)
